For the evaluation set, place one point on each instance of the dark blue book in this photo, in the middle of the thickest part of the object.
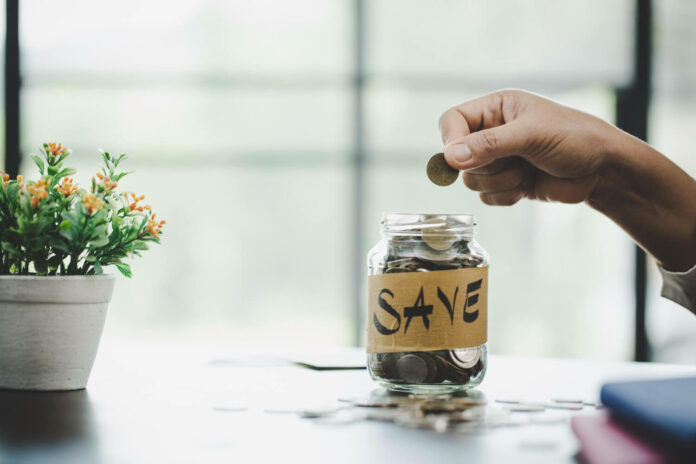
(661, 411)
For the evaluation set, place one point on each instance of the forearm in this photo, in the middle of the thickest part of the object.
(651, 198)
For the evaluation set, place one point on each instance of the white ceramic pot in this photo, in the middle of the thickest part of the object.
(50, 329)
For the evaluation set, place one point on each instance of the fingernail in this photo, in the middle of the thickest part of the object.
(461, 152)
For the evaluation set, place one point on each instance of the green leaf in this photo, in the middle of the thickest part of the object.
(39, 163)
(100, 229)
(65, 172)
(65, 225)
(124, 268)
(54, 261)
(41, 266)
(139, 245)
(122, 175)
(99, 242)
(52, 170)
(61, 247)
(63, 156)
(7, 246)
(12, 190)
(70, 234)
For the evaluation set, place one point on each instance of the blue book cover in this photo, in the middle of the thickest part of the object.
(663, 410)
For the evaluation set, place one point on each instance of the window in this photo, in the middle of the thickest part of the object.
(240, 118)
(673, 116)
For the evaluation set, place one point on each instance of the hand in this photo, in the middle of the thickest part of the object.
(513, 145)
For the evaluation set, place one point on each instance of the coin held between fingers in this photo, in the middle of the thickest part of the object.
(439, 172)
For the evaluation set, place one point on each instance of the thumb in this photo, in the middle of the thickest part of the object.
(485, 146)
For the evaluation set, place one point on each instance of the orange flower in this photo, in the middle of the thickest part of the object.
(38, 191)
(93, 203)
(6, 178)
(54, 149)
(104, 184)
(133, 203)
(38, 185)
(38, 196)
(154, 227)
(67, 187)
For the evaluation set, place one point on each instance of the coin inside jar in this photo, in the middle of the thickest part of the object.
(439, 172)
(412, 368)
(466, 358)
(418, 244)
(435, 234)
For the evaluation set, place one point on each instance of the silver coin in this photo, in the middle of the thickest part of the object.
(564, 406)
(432, 368)
(428, 252)
(412, 368)
(525, 408)
(466, 358)
(568, 400)
(436, 235)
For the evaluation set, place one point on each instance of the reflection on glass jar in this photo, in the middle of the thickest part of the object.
(427, 304)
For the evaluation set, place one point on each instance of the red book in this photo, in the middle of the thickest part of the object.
(602, 441)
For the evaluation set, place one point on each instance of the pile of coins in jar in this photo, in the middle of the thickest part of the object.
(425, 367)
(427, 283)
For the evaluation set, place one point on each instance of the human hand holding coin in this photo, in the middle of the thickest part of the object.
(513, 145)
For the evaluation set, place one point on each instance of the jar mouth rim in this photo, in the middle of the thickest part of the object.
(430, 223)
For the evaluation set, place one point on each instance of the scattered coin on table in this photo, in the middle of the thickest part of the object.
(466, 413)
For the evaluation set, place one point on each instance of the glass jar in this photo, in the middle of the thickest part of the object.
(427, 304)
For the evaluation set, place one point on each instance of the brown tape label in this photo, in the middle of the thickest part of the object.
(427, 311)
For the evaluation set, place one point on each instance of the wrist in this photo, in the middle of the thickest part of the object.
(618, 181)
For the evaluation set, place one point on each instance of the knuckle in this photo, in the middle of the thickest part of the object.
(515, 177)
(511, 100)
(511, 92)
(495, 167)
(444, 116)
(507, 91)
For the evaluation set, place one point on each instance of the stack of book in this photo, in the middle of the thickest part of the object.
(649, 421)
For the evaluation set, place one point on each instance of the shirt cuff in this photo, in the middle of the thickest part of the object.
(680, 287)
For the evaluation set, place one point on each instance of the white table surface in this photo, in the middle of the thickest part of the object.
(157, 402)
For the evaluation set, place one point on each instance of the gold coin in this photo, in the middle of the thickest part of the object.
(439, 172)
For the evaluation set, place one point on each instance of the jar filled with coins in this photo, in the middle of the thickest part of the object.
(427, 304)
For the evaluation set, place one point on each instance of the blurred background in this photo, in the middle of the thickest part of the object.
(271, 135)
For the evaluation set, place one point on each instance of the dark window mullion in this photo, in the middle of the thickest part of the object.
(12, 87)
(632, 108)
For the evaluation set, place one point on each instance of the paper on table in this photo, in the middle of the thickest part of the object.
(330, 360)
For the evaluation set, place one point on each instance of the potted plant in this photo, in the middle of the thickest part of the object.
(56, 239)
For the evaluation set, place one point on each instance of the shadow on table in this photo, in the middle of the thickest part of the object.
(36, 425)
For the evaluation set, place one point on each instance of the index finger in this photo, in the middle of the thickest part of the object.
(471, 116)
(453, 125)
